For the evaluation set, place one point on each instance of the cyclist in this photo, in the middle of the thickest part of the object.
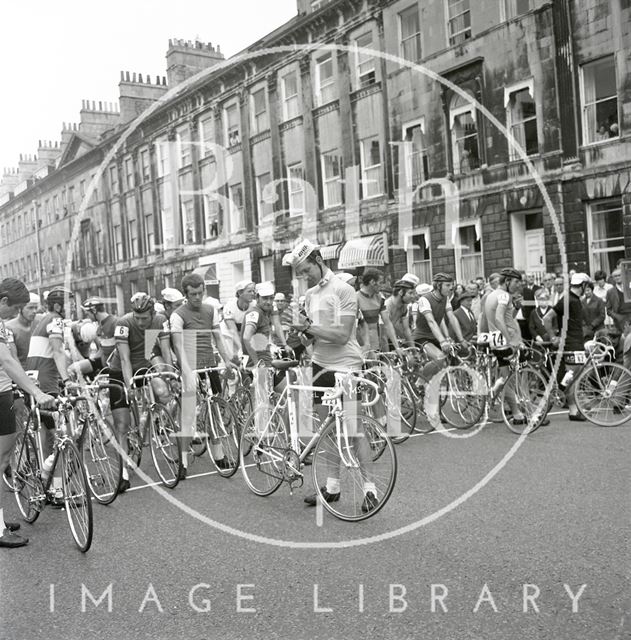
(431, 334)
(331, 311)
(13, 296)
(172, 299)
(261, 321)
(234, 312)
(574, 339)
(130, 357)
(398, 306)
(21, 327)
(194, 325)
(372, 308)
(47, 356)
(505, 334)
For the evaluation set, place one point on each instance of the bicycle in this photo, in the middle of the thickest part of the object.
(164, 440)
(216, 424)
(602, 389)
(271, 452)
(97, 443)
(32, 490)
(525, 387)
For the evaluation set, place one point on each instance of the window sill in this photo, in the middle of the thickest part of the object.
(600, 143)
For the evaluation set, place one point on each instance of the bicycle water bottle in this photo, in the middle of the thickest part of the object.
(611, 387)
(47, 466)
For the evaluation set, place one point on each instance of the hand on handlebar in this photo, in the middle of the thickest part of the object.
(46, 401)
(446, 346)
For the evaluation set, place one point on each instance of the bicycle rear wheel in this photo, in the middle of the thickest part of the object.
(76, 495)
(262, 451)
(102, 460)
(226, 436)
(603, 394)
(351, 460)
(165, 445)
(528, 388)
(26, 480)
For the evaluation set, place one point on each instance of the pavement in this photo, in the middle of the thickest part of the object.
(540, 550)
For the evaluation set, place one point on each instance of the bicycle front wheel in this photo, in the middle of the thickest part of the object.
(25, 474)
(462, 397)
(165, 445)
(366, 481)
(76, 496)
(263, 447)
(224, 438)
(408, 413)
(102, 460)
(525, 393)
(603, 394)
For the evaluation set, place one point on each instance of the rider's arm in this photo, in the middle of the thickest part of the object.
(221, 345)
(278, 329)
(499, 317)
(59, 356)
(425, 308)
(177, 339)
(231, 325)
(248, 334)
(125, 356)
(165, 348)
(389, 327)
(71, 343)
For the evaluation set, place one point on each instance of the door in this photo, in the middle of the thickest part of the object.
(535, 251)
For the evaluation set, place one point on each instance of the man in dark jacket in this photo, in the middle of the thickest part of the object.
(593, 312)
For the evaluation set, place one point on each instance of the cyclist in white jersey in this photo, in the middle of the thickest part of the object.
(13, 296)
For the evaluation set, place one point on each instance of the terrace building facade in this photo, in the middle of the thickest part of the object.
(423, 136)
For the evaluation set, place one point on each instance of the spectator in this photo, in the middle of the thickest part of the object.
(557, 293)
(617, 309)
(542, 323)
(466, 319)
(602, 286)
(593, 312)
(525, 305)
(602, 133)
(458, 291)
(476, 305)
(548, 283)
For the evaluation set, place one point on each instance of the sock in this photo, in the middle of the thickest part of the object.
(2, 528)
(332, 485)
(185, 459)
(125, 472)
(369, 487)
(216, 451)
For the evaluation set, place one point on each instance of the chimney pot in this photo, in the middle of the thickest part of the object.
(140, 78)
(127, 76)
(100, 106)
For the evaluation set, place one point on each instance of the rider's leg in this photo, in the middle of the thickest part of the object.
(437, 361)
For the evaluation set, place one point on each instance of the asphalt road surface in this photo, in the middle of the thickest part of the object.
(541, 550)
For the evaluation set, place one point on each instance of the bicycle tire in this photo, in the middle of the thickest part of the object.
(77, 494)
(596, 397)
(241, 403)
(408, 411)
(102, 460)
(225, 425)
(529, 388)
(27, 484)
(135, 439)
(165, 445)
(462, 405)
(262, 453)
(358, 469)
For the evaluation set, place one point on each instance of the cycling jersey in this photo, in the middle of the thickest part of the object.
(231, 311)
(185, 320)
(370, 308)
(82, 347)
(128, 332)
(326, 304)
(438, 307)
(40, 352)
(5, 381)
(262, 323)
(501, 298)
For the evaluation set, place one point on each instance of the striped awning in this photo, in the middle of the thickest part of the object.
(370, 251)
(331, 251)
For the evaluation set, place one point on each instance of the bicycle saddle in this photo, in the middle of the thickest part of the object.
(283, 365)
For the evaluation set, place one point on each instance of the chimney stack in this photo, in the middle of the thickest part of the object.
(137, 94)
(186, 58)
(97, 118)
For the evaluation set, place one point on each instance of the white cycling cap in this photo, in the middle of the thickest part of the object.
(242, 284)
(299, 253)
(345, 277)
(423, 288)
(578, 279)
(171, 295)
(411, 278)
(265, 289)
(280, 297)
(34, 298)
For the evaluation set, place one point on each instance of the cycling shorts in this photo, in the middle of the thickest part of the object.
(7, 414)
